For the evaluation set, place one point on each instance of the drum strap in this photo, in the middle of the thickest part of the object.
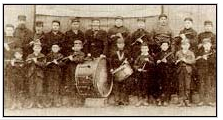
(120, 56)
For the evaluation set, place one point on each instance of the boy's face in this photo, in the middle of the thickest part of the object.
(77, 47)
(37, 49)
(39, 29)
(18, 55)
(55, 48)
(55, 26)
(208, 28)
(144, 49)
(163, 20)
(185, 46)
(118, 22)
(188, 24)
(120, 46)
(164, 46)
(207, 46)
(75, 25)
(21, 23)
(95, 25)
(141, 24)
(9, 31)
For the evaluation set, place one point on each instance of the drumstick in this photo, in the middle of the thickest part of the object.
(143, 66)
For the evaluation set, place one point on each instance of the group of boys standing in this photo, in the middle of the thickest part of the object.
(40, 67)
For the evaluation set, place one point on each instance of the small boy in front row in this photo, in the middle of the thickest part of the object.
(16, 79)
(144, 65)
(184, 62)
(117, 59)
(206, 66)
(35, 75)
(75, 57)
(165, 66)
(54, 75)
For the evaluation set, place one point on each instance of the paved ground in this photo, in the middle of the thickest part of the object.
(116, 111)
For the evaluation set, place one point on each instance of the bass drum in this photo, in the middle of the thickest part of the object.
(92, 79)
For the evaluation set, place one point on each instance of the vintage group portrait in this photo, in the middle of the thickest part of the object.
(110, 60)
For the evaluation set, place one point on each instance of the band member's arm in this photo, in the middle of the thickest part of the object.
(190, 59)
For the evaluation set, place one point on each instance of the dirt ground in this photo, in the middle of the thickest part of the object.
(116, 111)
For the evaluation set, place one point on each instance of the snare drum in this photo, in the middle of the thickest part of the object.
(123, 72)
(92, 79)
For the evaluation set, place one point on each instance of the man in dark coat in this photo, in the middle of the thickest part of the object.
(24, 34)
(118, 31)
(96, 40)
(73, 34)
(55, 36)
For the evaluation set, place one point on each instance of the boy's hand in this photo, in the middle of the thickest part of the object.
(71, 58)
(164, 60)
(89, 54)
(48, 63)
(183, 36)
(55, 61)
(205, 57)
(6, 46)
(35, 60)
(158, 61)
(146, 59)
(13, 62)
(102, 56)
(113, 36)
(111, 70)
(140, 69)
(139, 40)
(177, 61)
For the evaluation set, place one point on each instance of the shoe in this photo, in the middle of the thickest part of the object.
(187, 103)
(39, 105)
(211, 104)
(13, 107)
(30, 105)
(138, 104)
(181, 104)
(165, 104)
(19, 106)
(200, 104)
(58, 104)
(159, 103)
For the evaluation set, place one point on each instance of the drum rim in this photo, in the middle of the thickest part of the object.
(96, 85)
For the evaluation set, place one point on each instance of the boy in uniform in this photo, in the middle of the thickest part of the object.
(143, 65)
(165, 66)
(54, 75)
(76, 57)
(185, 60)
(35, 74)
(206, 65)
(16, 79)
(117, 59)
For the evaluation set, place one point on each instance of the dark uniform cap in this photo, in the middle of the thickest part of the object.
(39, 24)
(208, 22)
(119, 17)
(162, 15)
(76, 19)
(22, 17)
(19, 50)
(56, 21)
(141, 19)
(9, 25)
(188, 19)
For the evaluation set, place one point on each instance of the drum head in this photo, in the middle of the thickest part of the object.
(102, 81)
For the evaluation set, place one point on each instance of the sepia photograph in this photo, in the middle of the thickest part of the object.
(109, 60)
